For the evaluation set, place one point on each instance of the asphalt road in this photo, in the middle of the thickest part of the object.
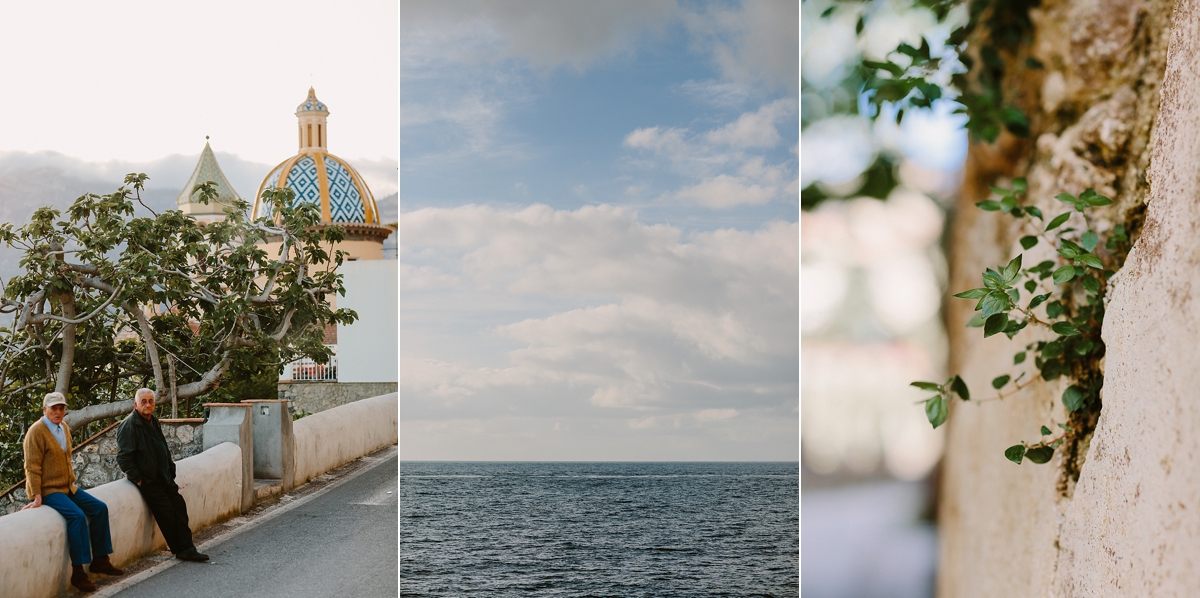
(342, 543)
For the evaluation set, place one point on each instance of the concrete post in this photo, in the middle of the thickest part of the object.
(274, 445)
(231, 422)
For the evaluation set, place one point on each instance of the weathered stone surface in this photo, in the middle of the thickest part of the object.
(315, 397)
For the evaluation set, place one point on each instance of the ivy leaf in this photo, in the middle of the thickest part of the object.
(1089, 240)
(927, 386)
(1040, 455)
(1032, 211)
(1065, 328)
(1072, 398)
(995, 324)
(1091, 284)
(1064, 274)
(1058, 220)
(1015, 453)
(1000, 381)
(1092, 261)
(995, 302)
(1019, 358)
(936, 411)
(1028, 241)
(1045, 431)
(1038, 300)
(989, 205)
(972, 294)
(960, 387)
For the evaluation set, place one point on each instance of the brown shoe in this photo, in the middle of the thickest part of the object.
(80, 579)
(101, 564)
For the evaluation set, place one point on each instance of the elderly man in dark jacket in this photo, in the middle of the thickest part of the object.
(142, 454)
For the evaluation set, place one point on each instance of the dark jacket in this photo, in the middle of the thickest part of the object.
(142, 450)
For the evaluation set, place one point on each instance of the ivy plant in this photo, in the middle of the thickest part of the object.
(1063, 296)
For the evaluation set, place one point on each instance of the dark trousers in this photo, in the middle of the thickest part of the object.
(170, 513)
(87, 524)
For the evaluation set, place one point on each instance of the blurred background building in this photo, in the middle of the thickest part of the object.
(875, 199)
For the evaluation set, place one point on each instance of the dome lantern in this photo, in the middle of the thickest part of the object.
(312, 126)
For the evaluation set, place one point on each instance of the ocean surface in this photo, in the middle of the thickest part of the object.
(599, 529)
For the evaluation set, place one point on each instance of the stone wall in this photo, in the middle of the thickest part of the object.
(315, 397)
(96, 462)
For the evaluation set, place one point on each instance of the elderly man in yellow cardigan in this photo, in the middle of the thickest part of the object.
(50, 481)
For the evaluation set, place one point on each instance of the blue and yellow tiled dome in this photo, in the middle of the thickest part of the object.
(319, 177)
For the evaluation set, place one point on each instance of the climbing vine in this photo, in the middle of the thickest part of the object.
(1065, 298)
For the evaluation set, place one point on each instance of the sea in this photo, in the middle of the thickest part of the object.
(599, 529)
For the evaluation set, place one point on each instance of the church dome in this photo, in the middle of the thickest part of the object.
(319, 177)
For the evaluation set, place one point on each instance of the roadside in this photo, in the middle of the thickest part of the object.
(213, 536)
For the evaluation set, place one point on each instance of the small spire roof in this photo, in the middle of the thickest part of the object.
(207, 169)
(312, 104)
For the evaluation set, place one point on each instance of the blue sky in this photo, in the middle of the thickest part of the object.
(599, 238)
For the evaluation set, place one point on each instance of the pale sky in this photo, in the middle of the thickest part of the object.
(599, 238)
(140, 80)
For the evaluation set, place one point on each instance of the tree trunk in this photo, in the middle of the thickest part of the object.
(1123, 518)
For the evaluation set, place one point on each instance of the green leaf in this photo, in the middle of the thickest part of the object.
(1028, 241)
(1089, 240)
(1065, 328)
(1020, 185)
(995, 324)
(1091, 284)
(999, 381)
(1040, 455)
(960, 387)
(1073, 398)
(1064, 274)
(1092, 261)
(1032, 211)
(995, 302)
(1099, 200)
(1066, 198)
(976, 321)
(1002, 192)
(1058, 220)
(1055, 309)
(972, 294)
(992, 280)
(989, 205)
(1019, 358)
(936, 410)
(1007, 204)
(1045, 431)
(1038, 300)
(1030, 286)
(927, 386)
(1011, 270)
(1015, 453)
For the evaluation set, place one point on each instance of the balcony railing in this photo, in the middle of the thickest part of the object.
(307, 370)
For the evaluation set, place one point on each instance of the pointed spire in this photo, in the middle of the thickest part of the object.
(207, 169)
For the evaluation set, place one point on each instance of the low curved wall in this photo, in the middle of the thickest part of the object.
(34, 562)
(340, 435)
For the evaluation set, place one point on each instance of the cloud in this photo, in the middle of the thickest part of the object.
(724, 167)
(652, 319)
(546, 34)
(756, 43)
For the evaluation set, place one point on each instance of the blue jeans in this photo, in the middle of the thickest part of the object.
(87, 524)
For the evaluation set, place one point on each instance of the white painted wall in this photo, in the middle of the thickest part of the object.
(367, 349)
(340, 435)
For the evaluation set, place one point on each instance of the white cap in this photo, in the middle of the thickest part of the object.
(54, 398)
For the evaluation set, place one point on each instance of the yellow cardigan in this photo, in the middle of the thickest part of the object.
(47, 466)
